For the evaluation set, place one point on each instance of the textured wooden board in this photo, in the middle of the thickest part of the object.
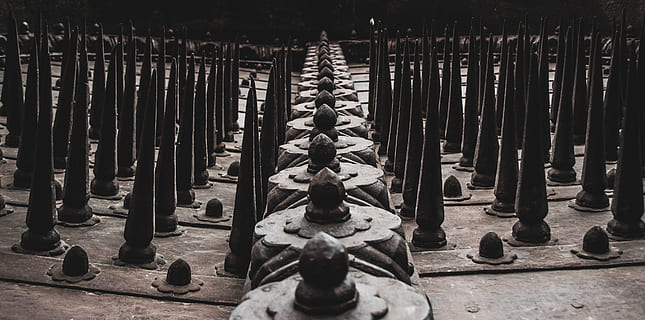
(44, 302)
(614, 293)
(120, 280)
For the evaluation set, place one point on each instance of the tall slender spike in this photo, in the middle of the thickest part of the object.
(104, 182)
(394, 119)
(429, 206)
(41, 237)
(63, 116)
(268, 141)
(119, 72)
(528, 45)
(199, 143)
(228, 94)
(372, 72)
(182, 55)
(67, 42)
(501, 87)
(257, 162)
(445, 85)
(594, 177)
(482, 65)
(25, 160)
(75, 209)
(455, 120)
(580, 104)
(377, 98)
(471, 119)
(385, 95)
(13, 99)
(520, 85)
(414, 148)
(220, 96)
(641, 72)
(246, 208)
(289, 68)
(98, 87)
(624, 57)
(235, 86)
(165, 188)
(125, 136)
(612, 102)
(557, 80)
(506, 180)
(139, 226)
(594, 38)
(403, 122)
(486, 151)
(562, 159)
(425, 67)
(531, 205)
(211, 142)
(543, 58)
(627, 203)
(161, 83)
(144, 79)
(279, 96)
(185, 173)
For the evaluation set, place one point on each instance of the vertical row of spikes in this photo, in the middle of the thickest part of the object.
(248, 194)
(454, 121)
(235, 85)
(506, 179)
(394, 119)
(119, 71)
(486, 151)
(501, 85)
(445, 86)
(98, 87)
(627, 203)
(531, 206)
(199, 130)
(75, 208)
(228, 94)
(414, 145)
(402, 131)
(562, 158)
(594, 178)
(126, 133)
(268, 140)
(144, 80)
(185, 170)
(613, 101)
(63, 117)
(429, 200)
(543, 76)
(371, 103)
(520, 84)
(580, 104)
(41, 237)
(425, 68)
(161, 84)
(25, 160)
(211, 140)
(165, 187)
(220, 102)
(13, 94)
(471, 118)
(384, 88)
(139, 225)
(557, 80)
(104, 183)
